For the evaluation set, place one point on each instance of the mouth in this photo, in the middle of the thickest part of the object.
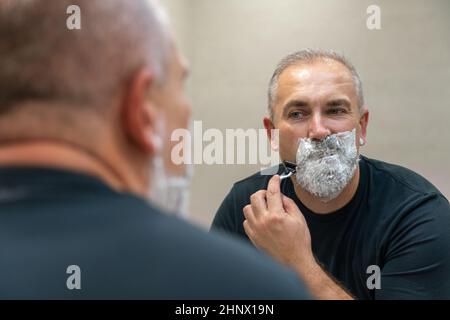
(322, 156)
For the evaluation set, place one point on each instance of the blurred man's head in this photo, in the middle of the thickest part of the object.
(313, 95)
(113, 89)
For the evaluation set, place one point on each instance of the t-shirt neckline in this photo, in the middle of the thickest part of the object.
(340, 213)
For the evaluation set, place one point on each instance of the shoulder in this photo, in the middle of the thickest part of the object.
(239, 270)
(201, 265)
(397, 191)
(403, 178)
(410, 207)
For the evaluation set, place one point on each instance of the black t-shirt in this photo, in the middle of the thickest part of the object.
(397, 221)
(124, 248)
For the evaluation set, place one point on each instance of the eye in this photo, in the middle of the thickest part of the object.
(296, 115)
(337, 111)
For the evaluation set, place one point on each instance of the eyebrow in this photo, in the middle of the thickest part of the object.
(331, 103)
(339, 102)
(295, 103)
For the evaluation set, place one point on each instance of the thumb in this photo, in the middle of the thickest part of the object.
(274, 201)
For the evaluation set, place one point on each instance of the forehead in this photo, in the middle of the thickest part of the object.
(323, 75)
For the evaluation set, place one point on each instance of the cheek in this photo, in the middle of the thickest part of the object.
(341, 125)
(173, 168)
(289, 138)
(184, 111)
(179, 114)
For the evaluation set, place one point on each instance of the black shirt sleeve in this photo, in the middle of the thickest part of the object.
(417, 257)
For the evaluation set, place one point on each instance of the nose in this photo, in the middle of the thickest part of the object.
(317, 129)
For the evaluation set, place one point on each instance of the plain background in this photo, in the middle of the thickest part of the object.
(234, 45)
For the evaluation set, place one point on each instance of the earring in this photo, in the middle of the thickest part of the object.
(361, 142)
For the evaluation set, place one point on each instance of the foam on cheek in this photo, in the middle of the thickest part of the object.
(346, 141)
(339, 141)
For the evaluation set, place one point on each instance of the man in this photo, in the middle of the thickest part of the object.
(85, 118)
(351, 227)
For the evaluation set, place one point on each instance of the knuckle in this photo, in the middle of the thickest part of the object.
(247, 210)
(274, 219)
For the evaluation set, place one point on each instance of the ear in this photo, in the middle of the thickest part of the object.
(363, 122)
(139, 112)
(268, 125)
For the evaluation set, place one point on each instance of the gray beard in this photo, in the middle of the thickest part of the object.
(170, 193)
(324, 168)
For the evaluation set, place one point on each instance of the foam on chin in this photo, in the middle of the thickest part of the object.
(324, 168)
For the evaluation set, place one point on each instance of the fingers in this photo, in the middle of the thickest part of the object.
(259, 203)
(289, 205)
(265, 201)
(249, 232)
(247, 229)
(248, 214)
(274, 196)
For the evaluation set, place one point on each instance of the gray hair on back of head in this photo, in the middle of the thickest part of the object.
(41, 60)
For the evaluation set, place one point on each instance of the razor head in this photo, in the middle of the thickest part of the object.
(290, 166)
(289, 169)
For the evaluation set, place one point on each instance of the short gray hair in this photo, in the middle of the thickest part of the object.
(309, 56)
(42, 61)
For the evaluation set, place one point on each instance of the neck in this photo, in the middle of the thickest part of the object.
(69, 157)
(317, 204)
